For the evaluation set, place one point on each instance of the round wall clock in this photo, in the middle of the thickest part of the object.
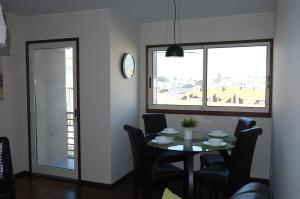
(128, 65)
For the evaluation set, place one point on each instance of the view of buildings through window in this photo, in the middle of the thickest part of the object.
(236, 76)
(179, 81)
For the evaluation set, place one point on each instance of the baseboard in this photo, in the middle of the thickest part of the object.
(83, 182)
(104, 185)
(54, 177)
(261, 180)
(22, 174)
(96, 184)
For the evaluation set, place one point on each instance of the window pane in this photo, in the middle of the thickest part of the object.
(178, 81)
(236, 76)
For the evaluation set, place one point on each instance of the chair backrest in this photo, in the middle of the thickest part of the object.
(6, 170)
(241, 158)
(243, 124)
(139, 151)
(154, 122)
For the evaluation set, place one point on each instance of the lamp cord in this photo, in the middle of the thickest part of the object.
(175, 16)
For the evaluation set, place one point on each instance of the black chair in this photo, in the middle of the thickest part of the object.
(7, 183)
(154, 123)
(210, 159)
(149, 176)
(236, 174)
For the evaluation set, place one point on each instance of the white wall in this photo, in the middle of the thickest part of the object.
(286, 112)
(243, 27)
(92, 29)
(124, 38)
(107, 100)
(13, 106)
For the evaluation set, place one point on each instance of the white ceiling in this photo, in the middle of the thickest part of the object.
(141, 10)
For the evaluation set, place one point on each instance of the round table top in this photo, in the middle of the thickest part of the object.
(195, 145)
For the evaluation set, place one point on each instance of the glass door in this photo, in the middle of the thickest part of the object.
(53, 108)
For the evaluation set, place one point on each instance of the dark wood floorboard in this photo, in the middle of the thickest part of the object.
(32, 187)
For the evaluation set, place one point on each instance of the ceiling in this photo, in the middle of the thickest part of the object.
(141, 10)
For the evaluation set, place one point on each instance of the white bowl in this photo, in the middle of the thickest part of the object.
(162, 139)
(215, 141)
(169, 130)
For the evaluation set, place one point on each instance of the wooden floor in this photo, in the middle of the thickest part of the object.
(42, 188)
(31, 187)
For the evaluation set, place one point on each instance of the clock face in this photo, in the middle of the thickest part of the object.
(128, 66)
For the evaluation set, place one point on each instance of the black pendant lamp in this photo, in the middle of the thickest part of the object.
(174, 50)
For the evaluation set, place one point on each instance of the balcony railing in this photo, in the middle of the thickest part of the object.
(70, 135)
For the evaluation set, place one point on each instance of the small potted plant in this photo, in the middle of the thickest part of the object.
(188, 125)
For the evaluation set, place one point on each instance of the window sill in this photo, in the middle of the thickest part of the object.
(216, 113)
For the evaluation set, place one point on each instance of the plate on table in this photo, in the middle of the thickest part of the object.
(173, 132)
(218, 134)
(207, 143)
(167, 141)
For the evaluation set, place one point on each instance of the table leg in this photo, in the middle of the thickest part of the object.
(190, 165)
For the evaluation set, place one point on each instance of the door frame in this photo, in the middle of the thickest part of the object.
(27, 43)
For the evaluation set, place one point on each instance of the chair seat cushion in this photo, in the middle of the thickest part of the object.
(169, 156)
(209, 159)
(214, 173)
(162, 172)
(160, 155)
(253, 189)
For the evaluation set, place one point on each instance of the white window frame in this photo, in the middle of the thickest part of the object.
(204, 109)
(151, 78)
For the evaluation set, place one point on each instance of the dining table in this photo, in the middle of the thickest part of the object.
(190, 148)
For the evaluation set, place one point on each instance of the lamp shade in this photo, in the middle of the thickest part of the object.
(2, 30)
(174, 51)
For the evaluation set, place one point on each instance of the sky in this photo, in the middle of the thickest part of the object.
(234, 62)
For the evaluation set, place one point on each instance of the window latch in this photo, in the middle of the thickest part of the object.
(269, 81)
(150, 82)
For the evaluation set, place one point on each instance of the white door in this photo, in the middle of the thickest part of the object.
(53, 108)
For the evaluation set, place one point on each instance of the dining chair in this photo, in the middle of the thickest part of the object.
(232, 176)
(148, 175)
(223, 156)
(7, 184)
(154, 123)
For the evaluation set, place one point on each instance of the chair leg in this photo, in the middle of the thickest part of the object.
(12, 193)
(200, 193)
(201, 165)
(215, 192)
(147, 194)
(212, 191)
(183, 189)
(135, 189)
